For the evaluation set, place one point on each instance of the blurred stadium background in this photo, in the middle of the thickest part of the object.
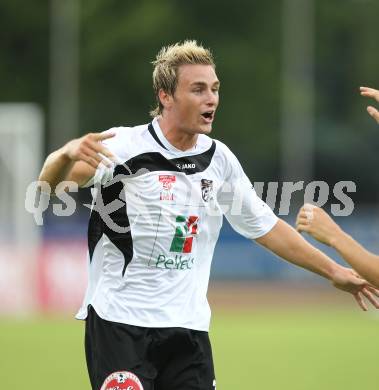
(290, 110)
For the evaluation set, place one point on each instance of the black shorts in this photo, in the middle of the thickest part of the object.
(119, 356)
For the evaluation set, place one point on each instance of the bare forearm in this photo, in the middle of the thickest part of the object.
(310, 258)
(363, 261)
(56, 168)
(285, 242)
(77, 160)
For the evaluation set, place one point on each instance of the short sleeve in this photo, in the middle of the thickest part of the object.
(249, 215)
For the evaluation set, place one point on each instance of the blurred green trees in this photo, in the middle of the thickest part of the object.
(119, 39)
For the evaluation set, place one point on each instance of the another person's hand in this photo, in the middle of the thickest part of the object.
(89, 149)
(316, 222)
(346, 279)
(374, 94)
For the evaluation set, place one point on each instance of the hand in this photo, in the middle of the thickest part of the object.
(89, 149)
(348, 280)
(374, 94)
(316, 222)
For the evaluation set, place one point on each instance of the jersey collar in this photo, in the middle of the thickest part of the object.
(157, 133)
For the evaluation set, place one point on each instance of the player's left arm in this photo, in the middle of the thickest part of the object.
(288, 244)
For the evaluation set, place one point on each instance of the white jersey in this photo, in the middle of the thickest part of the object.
(154, 226)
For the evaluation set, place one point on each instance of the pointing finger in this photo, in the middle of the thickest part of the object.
(103, 136)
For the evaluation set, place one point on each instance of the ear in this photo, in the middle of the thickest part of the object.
(165, 99)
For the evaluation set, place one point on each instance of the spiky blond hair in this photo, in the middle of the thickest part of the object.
(167, 63)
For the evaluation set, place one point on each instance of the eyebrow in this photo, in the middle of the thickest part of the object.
(203, 83)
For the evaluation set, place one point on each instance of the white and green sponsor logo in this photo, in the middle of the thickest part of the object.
(181, 245)
(178, 262)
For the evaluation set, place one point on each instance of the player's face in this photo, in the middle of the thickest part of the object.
(195, 100)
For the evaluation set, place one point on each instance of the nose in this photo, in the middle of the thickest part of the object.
(212, 99)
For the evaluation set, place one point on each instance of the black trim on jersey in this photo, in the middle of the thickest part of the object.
(154, 135)
(121, 240)
(97, 226)
(154, 161)
(95, 232)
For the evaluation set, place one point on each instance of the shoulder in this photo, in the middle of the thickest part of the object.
(224, 152)
(205, 142)
(227, 160)
(125, 138)
(125, 133)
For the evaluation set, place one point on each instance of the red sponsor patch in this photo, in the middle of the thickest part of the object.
(167, 183)
(122, 380)
(167, 180)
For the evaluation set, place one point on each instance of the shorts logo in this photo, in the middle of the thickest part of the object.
(206, 189)
(186, 229)
(122, 380)
(167, 184)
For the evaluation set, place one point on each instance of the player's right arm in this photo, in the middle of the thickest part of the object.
(320, 225)
(76, 161)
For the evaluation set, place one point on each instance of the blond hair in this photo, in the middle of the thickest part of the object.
(167, 63)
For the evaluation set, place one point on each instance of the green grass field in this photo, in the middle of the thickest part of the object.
(264, 349)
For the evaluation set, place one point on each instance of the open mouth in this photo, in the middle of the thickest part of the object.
(208, 116)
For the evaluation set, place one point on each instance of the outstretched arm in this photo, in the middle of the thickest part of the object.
(284, 241)
(76, 161)
(317, 223)
(374, 94)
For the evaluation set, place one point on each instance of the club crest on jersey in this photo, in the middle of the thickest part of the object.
(206, 189)
(167, 182)
(122, 380)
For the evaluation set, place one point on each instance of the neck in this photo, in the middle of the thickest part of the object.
(177, 137)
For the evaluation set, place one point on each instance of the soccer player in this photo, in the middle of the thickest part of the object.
(320, 225)
(160, 192)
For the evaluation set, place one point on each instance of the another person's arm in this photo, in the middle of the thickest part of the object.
(253, 219)
(320, 225)
(285, 242)
(374, 94)
(76, 161)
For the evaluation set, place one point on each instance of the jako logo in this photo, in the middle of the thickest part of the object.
(185, 230)
(186, 166)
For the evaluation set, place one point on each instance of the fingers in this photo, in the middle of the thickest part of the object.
(370, 92)
(93, 148)
(374, 94)
(90, 161)
(302, 220)
(370, 297)
(374, 113)
(304, 217)
(96, 147)
(362, 304)
(102, 136)
(373, 290)
(302, 228)
(307, 211)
